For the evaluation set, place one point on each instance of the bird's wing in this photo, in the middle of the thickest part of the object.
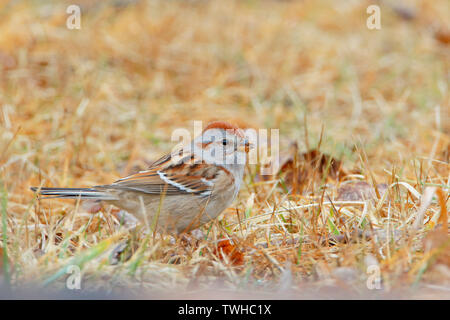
(188, 176)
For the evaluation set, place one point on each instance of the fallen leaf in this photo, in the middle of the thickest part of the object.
(94, 225)
(234, 255)
(300, 169)
(446, 154)
(442, 35)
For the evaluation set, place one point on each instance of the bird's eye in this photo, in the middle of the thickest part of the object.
(224, 142)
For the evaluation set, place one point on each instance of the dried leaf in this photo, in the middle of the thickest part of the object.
(94, 225)
(300, 169)
(442, 35)
(234, 255)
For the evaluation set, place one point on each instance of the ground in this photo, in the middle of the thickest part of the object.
(364, 132)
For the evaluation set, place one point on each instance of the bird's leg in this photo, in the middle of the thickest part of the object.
(127, 220)
(125, 250)
(92, 206)
(192, 237)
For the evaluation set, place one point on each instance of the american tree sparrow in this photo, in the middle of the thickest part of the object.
(182, 190)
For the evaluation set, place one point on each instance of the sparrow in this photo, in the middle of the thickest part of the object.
(181, 191)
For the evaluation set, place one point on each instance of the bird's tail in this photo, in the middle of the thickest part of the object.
(74, 193)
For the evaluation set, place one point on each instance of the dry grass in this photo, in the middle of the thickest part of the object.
(84, 107)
